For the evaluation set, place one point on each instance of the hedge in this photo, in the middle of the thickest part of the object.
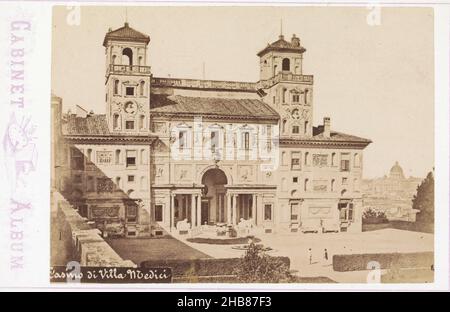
(359, 262)
(201, 267)
(223, 241)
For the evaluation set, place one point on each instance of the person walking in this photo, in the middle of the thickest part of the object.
(325, 255)
(310, 255)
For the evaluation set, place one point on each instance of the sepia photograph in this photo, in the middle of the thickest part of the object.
(242, 144)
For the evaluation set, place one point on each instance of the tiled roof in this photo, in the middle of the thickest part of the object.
(283, 45)
(336, 136)
(212, 107)
(91, 125)
(126, 33)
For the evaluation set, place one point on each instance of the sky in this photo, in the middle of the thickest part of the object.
(374, 81)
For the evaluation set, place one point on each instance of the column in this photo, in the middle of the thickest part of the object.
(193, 211)
(228, 208)
(259, 214)
(234, 209)
(172, 211)
(253, 208)
(199, 210)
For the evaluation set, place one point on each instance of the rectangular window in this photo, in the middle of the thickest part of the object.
(246, 140)
(295, 180)
(350, 212)
(77, 159)
(182, 140)
(158, 213)
(295, 129)
(131, 213)
(131, 178)
(345, 162)
(77, 178)
(90, 187)
(129, 124)
(267, 212)
(344, 181)
(294, 211)
(296, 98)
(129, 91)
(295, 161)
(269, 138)
(214, 141)
(131, 159)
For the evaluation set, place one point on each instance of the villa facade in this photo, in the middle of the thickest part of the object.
(172, 153)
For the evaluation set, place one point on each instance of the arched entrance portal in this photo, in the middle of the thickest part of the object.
(213, 196)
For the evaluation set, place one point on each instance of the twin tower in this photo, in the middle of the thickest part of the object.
(128, 84)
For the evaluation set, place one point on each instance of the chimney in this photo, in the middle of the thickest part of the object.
(295, 41)
(326, 127)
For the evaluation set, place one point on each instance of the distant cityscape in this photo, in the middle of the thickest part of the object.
(392, 194)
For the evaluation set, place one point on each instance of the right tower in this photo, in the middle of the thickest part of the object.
(285, 87)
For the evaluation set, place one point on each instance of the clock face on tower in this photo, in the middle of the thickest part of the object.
(130, 108)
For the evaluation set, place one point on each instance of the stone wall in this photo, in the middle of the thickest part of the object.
(83, 239)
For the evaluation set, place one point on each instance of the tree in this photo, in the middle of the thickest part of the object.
(257, 267)
(424, 200)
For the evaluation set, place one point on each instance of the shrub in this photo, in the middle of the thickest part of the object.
(257, 267)
(371, 216)
(221, 241)
(359, 262)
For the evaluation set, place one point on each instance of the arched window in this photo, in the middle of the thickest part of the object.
(140, 60)
(143, 183)
(286, 64)
(306, 158)
(118, 183)
(89, 154)
(283, 184)
(283, 95)
(116, 121)
(332, 185)
(275, 70)
(355, 185)
(141, 122)
(116, 87)
(114, 59)
(127, 57)
(356, 160)
(306, 100)
(306, 128)
(117, 160)
(283, 126)
(333, 159)
(143, 157)
(141, 88)
(283, 159)
(306, 185)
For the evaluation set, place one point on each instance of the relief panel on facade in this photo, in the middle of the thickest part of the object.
(319, 212)
(320, 160)
(246, 174)
(183, 173)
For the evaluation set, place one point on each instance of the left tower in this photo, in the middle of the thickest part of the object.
(127, 81)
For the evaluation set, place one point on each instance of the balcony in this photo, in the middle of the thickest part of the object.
(128, 69)
(285, 77)
(203, 84)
